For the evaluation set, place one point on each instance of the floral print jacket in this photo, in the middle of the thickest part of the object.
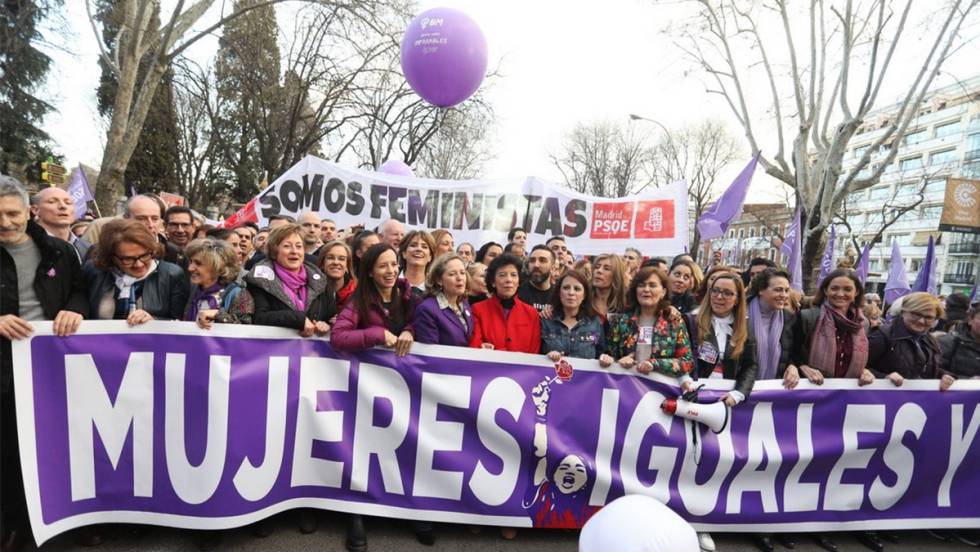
(671, 345)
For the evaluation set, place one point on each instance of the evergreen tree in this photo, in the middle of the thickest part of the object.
(23, 68)
(153, 166)
(248, 70)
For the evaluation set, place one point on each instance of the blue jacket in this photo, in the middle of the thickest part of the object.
(441, 326)
(585, 340)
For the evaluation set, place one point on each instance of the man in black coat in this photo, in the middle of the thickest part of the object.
(40, 279)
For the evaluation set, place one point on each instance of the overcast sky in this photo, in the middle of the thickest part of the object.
(562, 62)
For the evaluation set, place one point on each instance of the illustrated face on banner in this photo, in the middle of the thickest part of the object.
(571, 476)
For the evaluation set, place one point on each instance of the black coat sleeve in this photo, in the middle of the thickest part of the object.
(877, 352)
(77, 300)
(269, 311)
(748, 369)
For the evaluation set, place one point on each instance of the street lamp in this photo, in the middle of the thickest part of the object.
(635, 117)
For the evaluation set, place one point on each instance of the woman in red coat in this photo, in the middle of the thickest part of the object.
(503, 322)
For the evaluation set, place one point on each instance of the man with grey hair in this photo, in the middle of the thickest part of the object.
(40, 279)
(392, 232)
(54, 209)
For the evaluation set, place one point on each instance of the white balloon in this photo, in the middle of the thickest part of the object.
(637, 523)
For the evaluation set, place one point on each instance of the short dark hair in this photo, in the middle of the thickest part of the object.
(643, 275)
(680, 257)
(540, 247)
(653, 261)
(553, 238)
(756, 261)
(502, 260)
(176, 210)
(762, 279)
(220, 234)
(483, 250)
(587, 310)
(286, 218)
(513, 232)
(249, 224)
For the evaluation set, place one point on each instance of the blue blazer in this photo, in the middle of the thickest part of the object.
(441, 326)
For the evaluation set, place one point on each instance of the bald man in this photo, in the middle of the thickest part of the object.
(54, 210)
(392, 232)
(310, 224)
(149, 211)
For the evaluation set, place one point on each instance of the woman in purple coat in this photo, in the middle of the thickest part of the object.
(381, 311)
(444, 317)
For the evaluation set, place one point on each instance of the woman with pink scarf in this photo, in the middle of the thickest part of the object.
(831, 338)
(831, 341)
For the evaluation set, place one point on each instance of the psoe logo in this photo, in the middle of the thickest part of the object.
(654, 219)
(611, 221)
(965, 195)
(432, 22)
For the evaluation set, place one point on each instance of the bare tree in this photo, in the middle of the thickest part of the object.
(460, 148)
(200, 175)
(825, 64)
(152, 47)
(606, 159)
(696, 154)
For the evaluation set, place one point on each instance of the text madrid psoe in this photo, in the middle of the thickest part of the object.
(90, 407)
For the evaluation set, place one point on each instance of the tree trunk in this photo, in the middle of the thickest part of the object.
(811, 259)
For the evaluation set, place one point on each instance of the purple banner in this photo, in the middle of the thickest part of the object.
(166, 424)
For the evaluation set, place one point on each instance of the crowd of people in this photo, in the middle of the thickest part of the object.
(390, 288)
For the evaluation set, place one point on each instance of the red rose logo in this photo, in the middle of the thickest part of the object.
(564, 371)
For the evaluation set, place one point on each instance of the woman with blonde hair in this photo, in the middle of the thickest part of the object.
(216, 296)
(444, 317)
(685, 277)
(903, 348)
(443, 240)
(722, 345)
(609, 285)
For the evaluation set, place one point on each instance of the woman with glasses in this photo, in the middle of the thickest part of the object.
(126, 279)
(720, 338)
(903, 348)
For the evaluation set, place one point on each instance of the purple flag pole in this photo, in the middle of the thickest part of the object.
(898, 283)
(827, 262)
(924, 280)
(862, 268)
(973, 294)
(79, 191)
(719, 215)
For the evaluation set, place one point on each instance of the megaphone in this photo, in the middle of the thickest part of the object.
(714, 415)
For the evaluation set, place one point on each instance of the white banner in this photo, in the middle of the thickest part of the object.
(478, 211)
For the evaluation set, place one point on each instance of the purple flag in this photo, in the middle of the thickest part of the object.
(719, 215)
(898, 283)
(973, 294)
(791, 247)
(827, 262)
(925, 280)
(79, 191)
(863, 262)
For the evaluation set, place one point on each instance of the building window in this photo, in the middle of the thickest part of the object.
(741, 233)
(942, 157)
(913, 138)
(752, 232)
(901, 239)
(948, 129)
(910, 163)
(906, 189)
(859, 151)
(935, 186)
(881, 192)
(932, 212)
(973, 147)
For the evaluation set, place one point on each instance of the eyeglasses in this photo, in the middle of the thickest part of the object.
(718, 292)
(919, 316)
(145, 258)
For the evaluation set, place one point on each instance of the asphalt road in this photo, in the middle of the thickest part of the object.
(385, 535)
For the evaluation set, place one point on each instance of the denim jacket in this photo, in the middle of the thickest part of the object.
(585, 340)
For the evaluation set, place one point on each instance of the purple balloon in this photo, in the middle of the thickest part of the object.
(444, 56)
(396, 167)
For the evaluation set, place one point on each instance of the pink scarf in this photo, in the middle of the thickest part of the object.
(294, 284)
(823, 343)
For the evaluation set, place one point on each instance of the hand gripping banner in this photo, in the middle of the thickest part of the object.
(167, 424)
